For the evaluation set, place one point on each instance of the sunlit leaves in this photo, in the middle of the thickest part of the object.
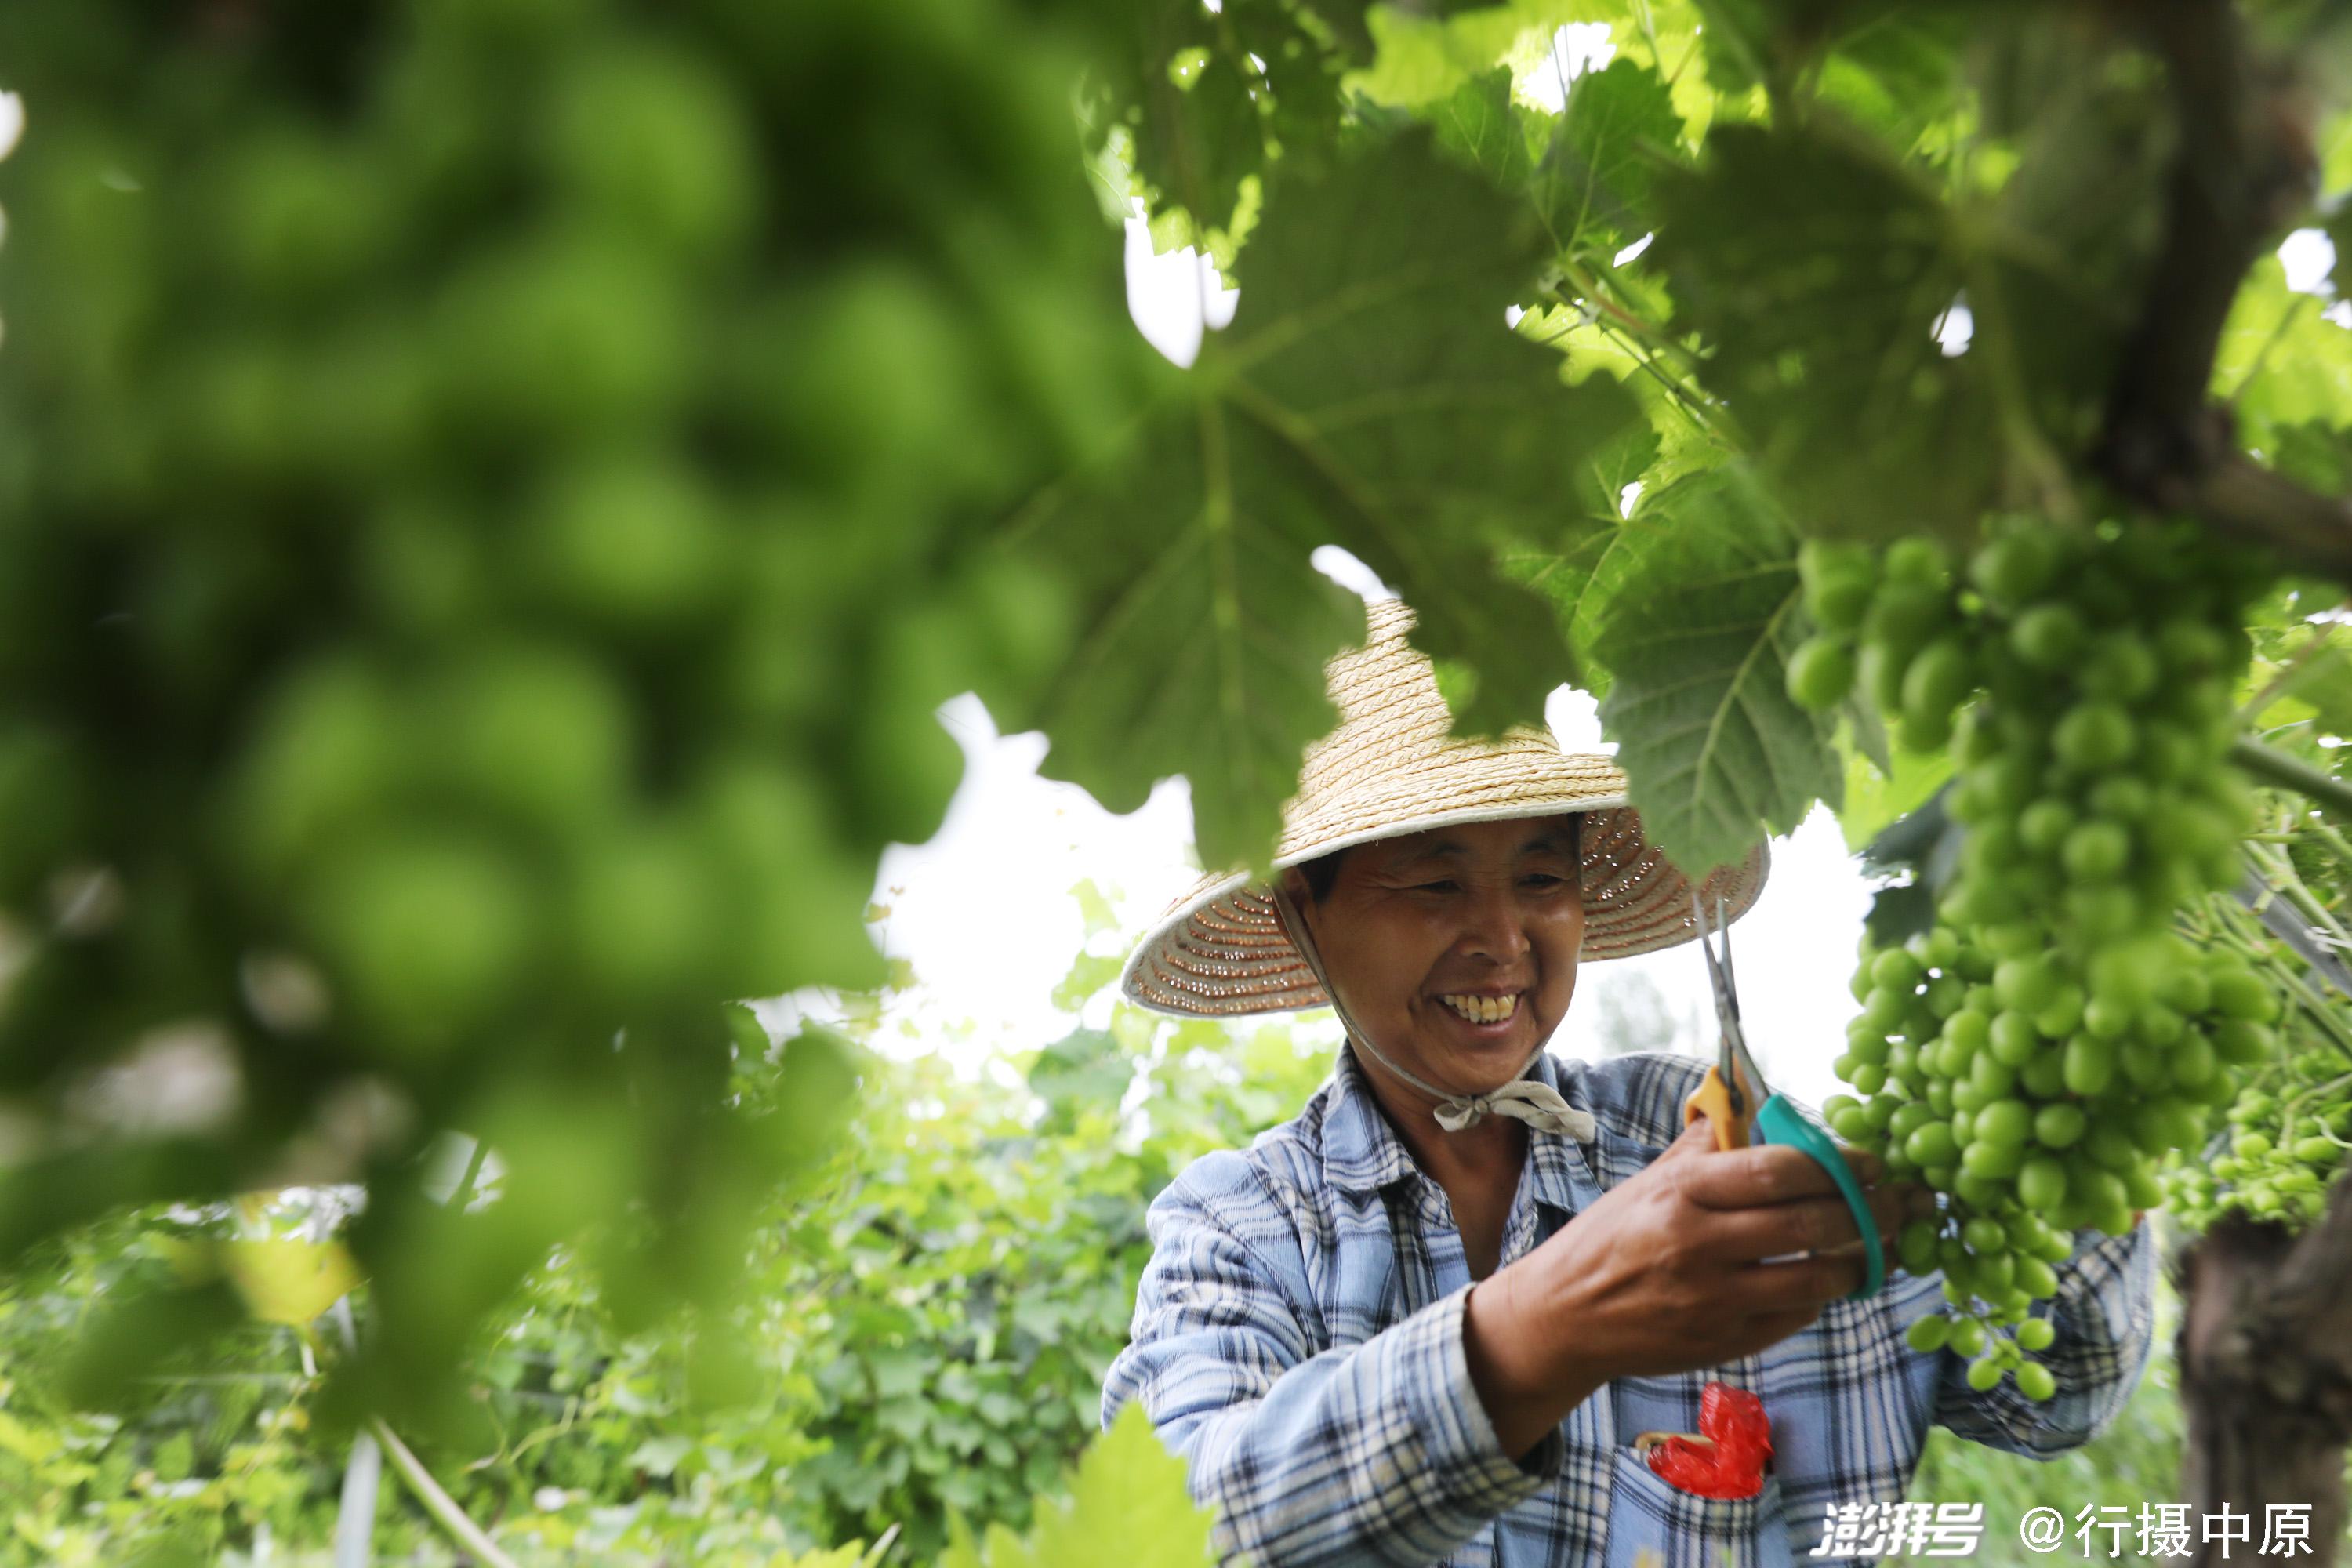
(1368, 396)
(1205, 100)
(2281, 360)
(1697, 629)
(1479, 123)
(1594, 184)
(1818, 270)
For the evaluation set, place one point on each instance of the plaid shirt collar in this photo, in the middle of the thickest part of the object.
(1363, 1154)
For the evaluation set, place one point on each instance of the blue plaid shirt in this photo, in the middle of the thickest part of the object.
(1298, 1341)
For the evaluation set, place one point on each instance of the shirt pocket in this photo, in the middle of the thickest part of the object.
(1649, 1512)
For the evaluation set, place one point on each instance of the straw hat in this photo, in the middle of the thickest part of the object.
(1222, 950)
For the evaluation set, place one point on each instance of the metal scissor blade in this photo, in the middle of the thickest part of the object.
(1737, 1066)
(1730, 977)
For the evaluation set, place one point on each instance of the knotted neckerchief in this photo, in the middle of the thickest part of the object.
(1531, 1100)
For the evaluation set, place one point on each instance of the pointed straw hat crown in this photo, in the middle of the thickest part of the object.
(1392, 768)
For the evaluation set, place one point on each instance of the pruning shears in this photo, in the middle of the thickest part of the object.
(1744, 1111)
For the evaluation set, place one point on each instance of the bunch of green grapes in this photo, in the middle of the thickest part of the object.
(1978, 1074)
(2284, 1138)
(2267, 1167)
(2053, 1036)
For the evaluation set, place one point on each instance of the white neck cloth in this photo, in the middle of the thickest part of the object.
(1528, 1099)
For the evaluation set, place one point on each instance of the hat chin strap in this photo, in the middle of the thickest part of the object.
(1531, 1100)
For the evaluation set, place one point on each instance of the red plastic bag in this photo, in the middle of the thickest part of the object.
(1726, 1458)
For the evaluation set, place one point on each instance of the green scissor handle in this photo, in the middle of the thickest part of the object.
(1778, 1122)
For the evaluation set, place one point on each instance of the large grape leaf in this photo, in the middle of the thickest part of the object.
(1818, 268)
(1480, 124)
(2281, 363)
(1422, 60)
(1594, 184)
(1208, 98)
(1696, 631)
(1369, 395)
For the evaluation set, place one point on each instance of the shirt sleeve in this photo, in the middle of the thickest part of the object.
(1378, 1452)
(2104, 1315)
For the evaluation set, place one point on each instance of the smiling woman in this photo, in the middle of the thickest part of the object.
(1424, 1319)
(1456, 945)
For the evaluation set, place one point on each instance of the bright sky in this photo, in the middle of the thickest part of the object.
(985, 912)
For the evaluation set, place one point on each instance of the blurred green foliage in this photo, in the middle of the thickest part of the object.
(924, 1334)
(486, 520)
(492, 493)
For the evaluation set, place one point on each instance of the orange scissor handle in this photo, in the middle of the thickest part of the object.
(1712, 1100)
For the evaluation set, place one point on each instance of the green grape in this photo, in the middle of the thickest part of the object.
(2036, 1381)
(652, 141)
(2015, 1039)
(1929, 1334)
(1991, 1161)
(2242, 1042)
(2014, 569)
(1839, 581)
(1897, 972)
(2042, 827)
(2004, 1121)
(2044, 1078)
(1932, 1144)
(1821, 672)
(2048, 636)
(2093, 736)
(1936, 679)
(2097, 850)
(2059, 1125)
(2239, 993)
(2041, 1183)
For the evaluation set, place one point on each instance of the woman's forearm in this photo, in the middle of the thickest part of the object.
(1527, 1380)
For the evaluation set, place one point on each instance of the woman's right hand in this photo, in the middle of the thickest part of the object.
(1665, 1274)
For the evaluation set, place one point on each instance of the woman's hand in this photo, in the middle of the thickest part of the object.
(1665, 1274)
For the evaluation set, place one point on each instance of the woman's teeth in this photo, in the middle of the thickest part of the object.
(1484, 1009)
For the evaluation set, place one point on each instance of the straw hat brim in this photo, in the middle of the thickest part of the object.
(1392, 767)
(1221, 951)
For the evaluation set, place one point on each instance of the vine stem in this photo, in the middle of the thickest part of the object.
(438, 1503)
(2276, 767)
(2279, 871)
(2259, 703)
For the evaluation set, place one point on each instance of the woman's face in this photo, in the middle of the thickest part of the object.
(1455, 949)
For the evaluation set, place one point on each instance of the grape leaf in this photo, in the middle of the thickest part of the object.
(1127, 1487)
(1875, 797)
(1209, 98)
(1696, 632)
(1480, 124)
(1593, 185)
(1420, 59)
(2280, 360)
(1822, 271)
(1818, 270)
(1367, 395)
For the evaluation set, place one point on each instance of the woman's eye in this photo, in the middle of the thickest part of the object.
(1435, 887)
